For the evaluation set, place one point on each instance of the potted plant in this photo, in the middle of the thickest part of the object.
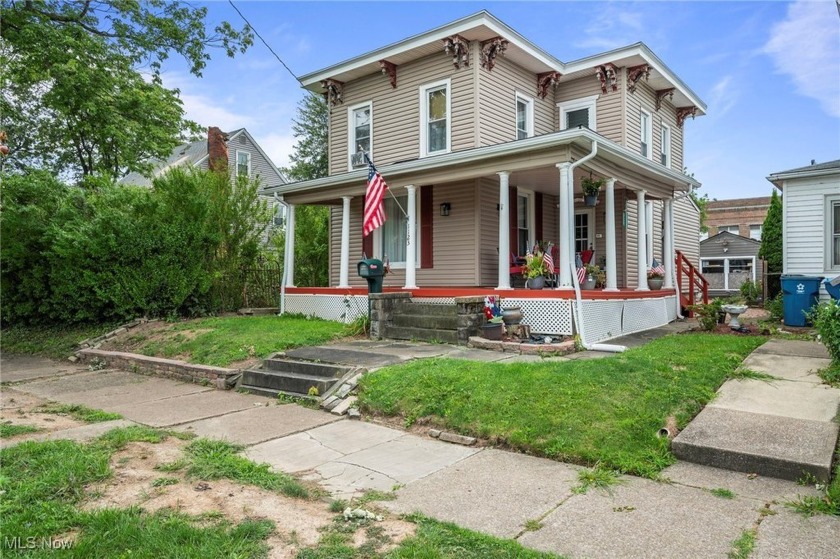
(591, 188)
(655, 279)
(591, 280)
(535, 270)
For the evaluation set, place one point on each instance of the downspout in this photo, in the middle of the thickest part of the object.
(285, 259)
(578, 317)
(571, 199)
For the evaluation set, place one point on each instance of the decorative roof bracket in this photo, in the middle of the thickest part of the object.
(546, 80)
(683, 113)
(607, 74)
(334, 91)
(662, 94)
(459, 49)
(636, 73)
(490, 49)
(389, 69)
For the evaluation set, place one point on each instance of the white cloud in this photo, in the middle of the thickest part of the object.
(615, 25)
(206, 109)
(278, 147)
(722, 97)
(806, 46)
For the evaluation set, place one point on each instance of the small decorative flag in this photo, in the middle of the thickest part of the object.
(581, 274)
(656, 267)
(549, 261)
(374, 200)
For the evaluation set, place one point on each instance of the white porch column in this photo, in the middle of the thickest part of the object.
(289, 257)
(566, 223)
(668, 249)
(649, 229)
(641, 242)
(504, 230)
(612, 260)
(411, 239)
(344, 266)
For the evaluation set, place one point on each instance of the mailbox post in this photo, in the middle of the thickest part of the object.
(373, 270)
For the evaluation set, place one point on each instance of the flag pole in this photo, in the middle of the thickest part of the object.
(405, 213)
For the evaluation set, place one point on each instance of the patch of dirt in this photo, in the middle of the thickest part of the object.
(20, 408)
(299, 523)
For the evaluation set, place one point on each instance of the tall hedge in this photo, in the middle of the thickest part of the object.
(110, 252)
(771, 245)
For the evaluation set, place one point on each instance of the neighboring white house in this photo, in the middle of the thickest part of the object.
(811, 219)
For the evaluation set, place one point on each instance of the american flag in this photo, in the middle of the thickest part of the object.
(549, 261)
(656, 267)
(374, 200)
(581, 274)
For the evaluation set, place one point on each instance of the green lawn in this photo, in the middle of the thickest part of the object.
(603, 411)
(224, 340)
(56, 342)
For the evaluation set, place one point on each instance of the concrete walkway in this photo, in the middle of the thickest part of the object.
(484, 489)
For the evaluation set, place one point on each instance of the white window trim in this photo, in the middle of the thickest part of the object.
(424, 117)
(250, 159)
(646, 129)
(662, 136)
(532, 218)
(582, 103)
(379, 250)
(726, 259)
(827, 217)
(529, 115)
(351, 133)
(590, 226)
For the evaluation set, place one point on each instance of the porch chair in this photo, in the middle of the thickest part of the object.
(517, 266)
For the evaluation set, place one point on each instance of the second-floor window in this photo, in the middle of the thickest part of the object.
(524, 117)
(755, 232)
(435, 122)
(645, 147)
(578, 112)
(361, 132)
(833, 228)
(243, 163)
(665, 146)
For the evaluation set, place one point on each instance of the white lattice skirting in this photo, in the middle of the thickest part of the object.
(342, 308)
(607, 319)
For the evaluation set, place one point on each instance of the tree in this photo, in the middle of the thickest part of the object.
(771, 245)
(73, 99)
(309, 161)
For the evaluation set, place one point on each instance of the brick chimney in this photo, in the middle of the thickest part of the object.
(217, 149)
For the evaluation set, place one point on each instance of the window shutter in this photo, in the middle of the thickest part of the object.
(427, 217)
(538, 215)
(513, 220)
(577, 118)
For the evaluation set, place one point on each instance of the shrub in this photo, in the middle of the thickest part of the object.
(751, 292)
(707, 314)
(826, 319)
(776, 307)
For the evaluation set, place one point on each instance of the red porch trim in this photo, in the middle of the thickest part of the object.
(593, 294)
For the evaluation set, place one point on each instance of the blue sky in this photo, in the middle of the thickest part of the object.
(768, 71)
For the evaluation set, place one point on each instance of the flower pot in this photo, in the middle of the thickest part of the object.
(655, 283)
(589, 282)
(492, 331)
(512, 315)
(535, 283)
(590, 199)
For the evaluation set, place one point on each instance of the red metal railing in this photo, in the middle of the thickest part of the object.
(689, 282)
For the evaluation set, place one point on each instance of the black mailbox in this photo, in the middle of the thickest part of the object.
(373, 271)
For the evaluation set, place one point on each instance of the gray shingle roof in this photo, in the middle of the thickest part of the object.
(815, 167)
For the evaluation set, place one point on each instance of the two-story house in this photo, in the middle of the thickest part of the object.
(483, 139)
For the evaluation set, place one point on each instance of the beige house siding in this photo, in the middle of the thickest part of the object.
(687, 229)
(396, 112)
(608, 107)
(487, 192)
(630, 254)
(645, 98)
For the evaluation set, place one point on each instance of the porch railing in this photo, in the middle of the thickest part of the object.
(689, 282)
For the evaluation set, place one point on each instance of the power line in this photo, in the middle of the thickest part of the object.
(257, 33)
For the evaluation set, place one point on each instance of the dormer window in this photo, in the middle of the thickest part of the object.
(578, 112)
(360, 126)
(435, 121)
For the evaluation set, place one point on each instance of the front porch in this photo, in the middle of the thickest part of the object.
(603, 315)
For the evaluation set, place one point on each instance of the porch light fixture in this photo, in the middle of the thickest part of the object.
(444, 209)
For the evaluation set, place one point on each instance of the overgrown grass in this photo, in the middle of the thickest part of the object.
(597, 477)
(78, 411)
(831, 374)
(743, 547)
(587, 411)
(55, 342)
(829, 502)
(224, 340)
(8, 429)
(207, 459)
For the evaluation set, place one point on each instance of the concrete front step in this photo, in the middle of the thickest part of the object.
(768, 445)
(285, 365)
(430, 309)
(421, 334)
(274, 382)
(428, 322)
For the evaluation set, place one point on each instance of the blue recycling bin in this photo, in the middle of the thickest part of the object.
(800, 293)
(833, 290)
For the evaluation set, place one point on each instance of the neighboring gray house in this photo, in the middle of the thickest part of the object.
(728, 260)
(811, 219)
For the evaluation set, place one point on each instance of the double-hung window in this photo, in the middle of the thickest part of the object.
(578, 112)
(524, 117)
(243, 163)
(435, 118)
(646, 146)
(833, 230)
(665, 146)
(360, 127)
(393, 234)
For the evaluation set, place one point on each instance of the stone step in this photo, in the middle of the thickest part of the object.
(298, 384)
(429, 322)
(768, 445)
(421, 334)
(313, 368)
(430, 309)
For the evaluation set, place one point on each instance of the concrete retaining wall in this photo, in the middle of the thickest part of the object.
(209, 375)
